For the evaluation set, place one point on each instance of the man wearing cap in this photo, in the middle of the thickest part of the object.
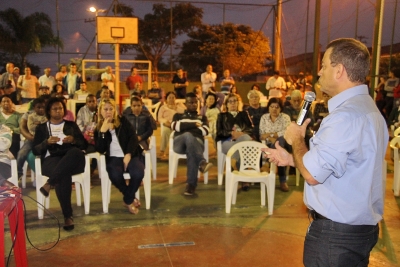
(47, 79)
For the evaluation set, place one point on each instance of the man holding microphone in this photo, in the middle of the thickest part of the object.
(343, 168)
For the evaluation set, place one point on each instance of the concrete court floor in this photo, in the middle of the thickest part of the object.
(197, 228)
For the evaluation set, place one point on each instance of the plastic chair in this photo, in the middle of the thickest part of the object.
(14, 172)
(249, 171)
(153, 156)
(81, 179)
(106, 182)
(394, 144)
(221, 157)
(396, 132)
(174, 159)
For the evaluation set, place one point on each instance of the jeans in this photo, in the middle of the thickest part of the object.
(115, 170)
(193, 147)
(329, 243)
(59, 170)
(23, 155)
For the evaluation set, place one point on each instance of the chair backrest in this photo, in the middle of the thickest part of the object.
(250, 155)
(396, 132)
(394, 144)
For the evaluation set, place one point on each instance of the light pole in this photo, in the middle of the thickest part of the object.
(96, 11)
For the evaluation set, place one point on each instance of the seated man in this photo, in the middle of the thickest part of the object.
(86, 120)
(9, 90)
(190, 129)
(141, 121)
(82, 90)
(156, 94)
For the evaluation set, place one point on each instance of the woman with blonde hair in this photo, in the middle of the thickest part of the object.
(116, 139)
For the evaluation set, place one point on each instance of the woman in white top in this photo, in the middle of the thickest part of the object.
(117, 140)
(165, 115)
(272, 128)
(28, 85)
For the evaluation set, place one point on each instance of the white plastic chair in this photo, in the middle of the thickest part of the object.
(396, 132)
(24, 173)
(81, 179)
(249, 171)
(394, 144)
(14, 172)
(106, 182)
(221, 157)
(174, 159)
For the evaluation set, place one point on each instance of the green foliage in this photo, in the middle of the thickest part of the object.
(25, 35)
(155, 30)
(242, 50)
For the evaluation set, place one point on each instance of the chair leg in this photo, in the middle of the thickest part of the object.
(221, 163)
(271, 193)
(24, 170)
(297, 177)
(147, 183)
(228, 196)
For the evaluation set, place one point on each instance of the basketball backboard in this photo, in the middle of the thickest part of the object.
(122, 30)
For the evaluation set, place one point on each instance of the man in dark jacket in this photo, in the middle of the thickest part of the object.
(190, 129)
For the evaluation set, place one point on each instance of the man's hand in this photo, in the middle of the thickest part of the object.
(69, 139)
(279, 156)
(294, 131)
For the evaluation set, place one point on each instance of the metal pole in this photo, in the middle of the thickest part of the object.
(315, 66)
(278, 35)
(223, 37)
(329, 21)
(170, 45)
(355, 34)
(393, 31)
(117, 89)
(97, 46)
(305, 46)
(376, 45)
(58, 35)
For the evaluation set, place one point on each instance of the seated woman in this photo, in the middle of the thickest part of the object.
(5, 156)
(115, 137)
(165, 115)
(58, 90)
(140, 121)
(233, 126)
(234, 91)
(272, 128)
(11, 118)
(211, 111)
(59, 143)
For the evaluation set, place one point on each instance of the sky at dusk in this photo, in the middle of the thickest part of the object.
(77, 34)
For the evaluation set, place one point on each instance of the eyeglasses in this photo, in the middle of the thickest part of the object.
(232, 101)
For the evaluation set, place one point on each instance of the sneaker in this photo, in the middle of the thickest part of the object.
(205, 166)
(189, 191)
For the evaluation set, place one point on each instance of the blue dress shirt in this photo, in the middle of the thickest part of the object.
(346, 157)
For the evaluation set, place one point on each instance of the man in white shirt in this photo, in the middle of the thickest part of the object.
(47, 79)
(108, 78)
(208, 79)
(275, 85)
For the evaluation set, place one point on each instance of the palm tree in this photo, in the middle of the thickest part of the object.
(22, 36)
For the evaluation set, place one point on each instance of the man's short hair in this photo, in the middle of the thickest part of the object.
(353, 55)
(72, 64)
(45, 87)
(89, 96)
(295, 93)
(38, 101)
(104, 87)
(276, 72)
(83, 82)
(136, 99)
(252, 92)
(190, 95)
(133, 68)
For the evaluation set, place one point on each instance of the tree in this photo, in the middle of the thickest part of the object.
(155, 30)
(22, 36)
(243, 52)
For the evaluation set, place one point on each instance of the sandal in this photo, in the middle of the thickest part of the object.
(136, 203)
(131, 208)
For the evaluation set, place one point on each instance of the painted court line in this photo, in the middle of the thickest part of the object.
(175, 244)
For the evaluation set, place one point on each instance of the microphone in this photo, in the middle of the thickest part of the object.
(309, 97)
